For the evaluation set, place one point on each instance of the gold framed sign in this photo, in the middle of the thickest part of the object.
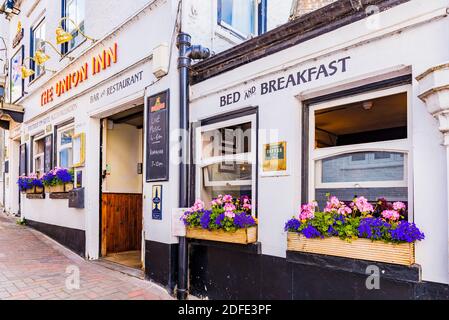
(275, 157)
(79, 150)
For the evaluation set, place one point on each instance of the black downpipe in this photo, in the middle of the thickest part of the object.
(187, 52)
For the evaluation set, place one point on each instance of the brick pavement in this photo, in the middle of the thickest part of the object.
(33, 267)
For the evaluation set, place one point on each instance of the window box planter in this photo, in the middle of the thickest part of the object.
(39, 190)
(362, 249)
(241, 236)
(60, 188)
(31, 191)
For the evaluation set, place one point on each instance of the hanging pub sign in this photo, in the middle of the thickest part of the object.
(23, 168)
(158, 125)
(48, 153)
(19, 35)
(156, 208)
(275, 157)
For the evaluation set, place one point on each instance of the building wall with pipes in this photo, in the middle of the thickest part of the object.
(376, 54)
(111, 23)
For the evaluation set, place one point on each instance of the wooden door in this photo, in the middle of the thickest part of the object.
(121, 222)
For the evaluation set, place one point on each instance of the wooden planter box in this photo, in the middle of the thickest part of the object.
(59, 188)
(31, 191)
(39, 190)
(362, 249)
(241, 236)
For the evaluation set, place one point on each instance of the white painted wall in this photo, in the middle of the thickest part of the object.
(371, 52)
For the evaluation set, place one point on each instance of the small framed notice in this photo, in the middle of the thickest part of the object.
(178, 228)
(156, 209)
(79, 150)
(275, 157)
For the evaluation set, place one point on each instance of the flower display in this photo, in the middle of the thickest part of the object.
(29, 182)
(58, 176)
(226, 213)
(356, 221)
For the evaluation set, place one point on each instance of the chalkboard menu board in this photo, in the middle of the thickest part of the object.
(158, 126)
(23, 168)
(48, 153)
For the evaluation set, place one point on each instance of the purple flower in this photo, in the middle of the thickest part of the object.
(292, 225)
(219, 220)
(373, 228)
(205, 219)
(311, 232)
(406, 232)
(243, 220)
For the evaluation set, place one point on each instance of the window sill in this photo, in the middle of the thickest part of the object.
(39, 196)
(60, 196)
(228, 35)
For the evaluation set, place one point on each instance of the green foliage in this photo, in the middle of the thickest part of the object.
(21, 222)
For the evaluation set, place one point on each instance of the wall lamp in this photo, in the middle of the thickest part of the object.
(26, 72)
(63, 36)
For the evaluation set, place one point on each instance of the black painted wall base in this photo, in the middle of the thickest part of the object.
(73, 239)
(220, 271)
(161, 264)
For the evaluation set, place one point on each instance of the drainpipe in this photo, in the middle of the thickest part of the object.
(187, 53)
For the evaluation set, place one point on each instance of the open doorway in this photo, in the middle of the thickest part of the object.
(122, 188)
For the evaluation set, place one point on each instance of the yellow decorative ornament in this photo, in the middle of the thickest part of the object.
(62, 36)
(41, 57)
(27, 72)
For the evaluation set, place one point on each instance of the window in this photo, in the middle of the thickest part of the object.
(73, 10)
(244, 18)
(39, 155)
(360, 147)
(226, 159)
(37, 43)
(65, 146)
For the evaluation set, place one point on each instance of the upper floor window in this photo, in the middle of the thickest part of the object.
(74, 10)
(38, 38)
(244, 18)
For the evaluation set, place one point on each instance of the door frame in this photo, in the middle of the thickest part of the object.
(100, 173)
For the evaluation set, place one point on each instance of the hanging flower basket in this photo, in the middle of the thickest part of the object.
(229, 220)
(353, 231)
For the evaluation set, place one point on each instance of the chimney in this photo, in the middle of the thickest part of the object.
(302, 7)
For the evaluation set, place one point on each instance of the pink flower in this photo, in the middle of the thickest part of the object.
(230, 207)
(227, 198)
(307, 211)
(230, 214)
(391, 215)
(398, 206)
(363, 205)
(247, 207)
(344, 210)
(198, 206)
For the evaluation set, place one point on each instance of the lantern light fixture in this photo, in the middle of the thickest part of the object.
(63, 36)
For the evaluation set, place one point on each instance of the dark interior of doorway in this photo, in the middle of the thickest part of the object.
(122, 213)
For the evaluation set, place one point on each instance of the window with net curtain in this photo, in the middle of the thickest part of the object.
(361, 149)
(226, 161)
